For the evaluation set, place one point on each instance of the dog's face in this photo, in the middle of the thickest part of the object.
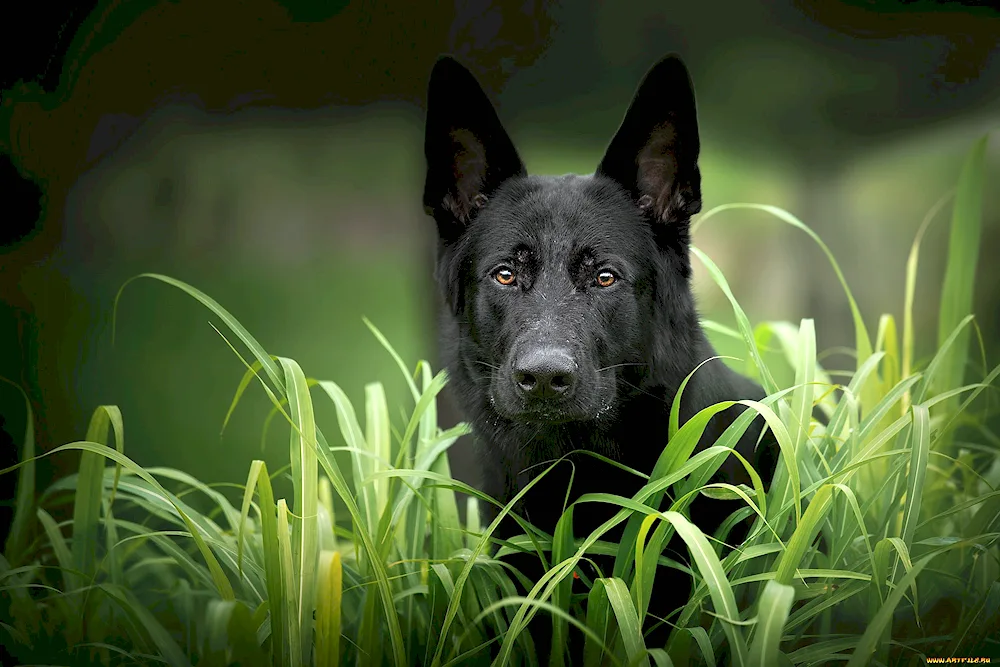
(560, 286)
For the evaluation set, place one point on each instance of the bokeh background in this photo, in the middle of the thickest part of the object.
(269, 152)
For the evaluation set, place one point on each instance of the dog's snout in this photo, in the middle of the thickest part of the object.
(545, 372)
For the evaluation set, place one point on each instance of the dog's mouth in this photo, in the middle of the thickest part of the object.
(543, 415)
(540, 415)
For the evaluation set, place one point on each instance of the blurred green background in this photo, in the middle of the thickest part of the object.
(270, 154)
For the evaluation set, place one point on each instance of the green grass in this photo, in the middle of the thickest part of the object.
(367, 562)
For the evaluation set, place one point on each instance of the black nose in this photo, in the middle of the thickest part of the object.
(545, 372)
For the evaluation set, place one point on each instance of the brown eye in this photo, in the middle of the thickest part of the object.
(605, 279)
(504, 276)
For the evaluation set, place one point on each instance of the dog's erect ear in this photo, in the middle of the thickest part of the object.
(654, 154)
(468, 151)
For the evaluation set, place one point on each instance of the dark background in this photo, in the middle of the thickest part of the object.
(269, 153)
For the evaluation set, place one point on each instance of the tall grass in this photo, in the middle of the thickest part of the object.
(876, 542)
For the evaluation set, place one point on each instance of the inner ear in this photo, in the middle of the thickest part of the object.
(654, 154)
(468, 152)
(470, 170)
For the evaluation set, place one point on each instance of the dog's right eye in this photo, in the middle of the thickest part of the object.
(504, 276)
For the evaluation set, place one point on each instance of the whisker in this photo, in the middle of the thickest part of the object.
(627, 363)
(528, 441)
(487, 364)
(643, 391)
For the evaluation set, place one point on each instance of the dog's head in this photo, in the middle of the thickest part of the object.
(567, 291)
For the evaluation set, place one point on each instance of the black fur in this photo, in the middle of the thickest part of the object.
(554, 361)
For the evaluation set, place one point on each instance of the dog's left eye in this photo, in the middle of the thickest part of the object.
(605, 279)
(504, 276)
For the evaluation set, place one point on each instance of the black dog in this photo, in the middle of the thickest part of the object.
(569, 321)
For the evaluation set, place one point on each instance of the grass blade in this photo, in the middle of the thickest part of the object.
(222, 584)
(772, 612)
(59, 547)
(305, 480)
(963, 255)
(330, 586)
(562, 548)
(714, 576)
(598, 617)
(863, 343)
(293, 648)
(805, 533)
(168, 648)
(911, 287)
(89, 489)
(395, 356)
(269, 365)
(272, 561)
(377, 437)
(19, 535)
(920, 445)
(629, 628)
(802, 397)
(741, 318)
(869, 640)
